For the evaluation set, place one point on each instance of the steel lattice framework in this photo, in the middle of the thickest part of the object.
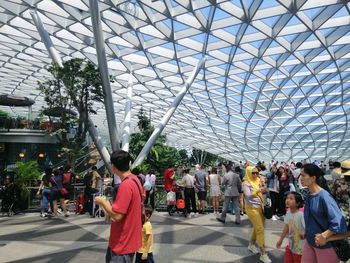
(275, 85)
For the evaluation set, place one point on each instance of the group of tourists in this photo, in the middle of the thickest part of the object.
(310, 228)
(56, 185)
(315, 211)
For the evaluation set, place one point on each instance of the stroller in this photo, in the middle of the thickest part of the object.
(176, 201)
(8, 200)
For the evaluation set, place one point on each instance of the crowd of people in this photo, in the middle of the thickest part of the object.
(315, 211)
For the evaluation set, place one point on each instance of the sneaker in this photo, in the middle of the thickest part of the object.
(43, 214)
(220, 220)
(59, 211)
(253, 249)
(274, 218)
(188, 216)
(265, 258)
(192, 214)
(196, 214)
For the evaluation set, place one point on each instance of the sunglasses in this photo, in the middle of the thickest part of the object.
(255, 172)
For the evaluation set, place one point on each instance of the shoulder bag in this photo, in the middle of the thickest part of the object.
(267, 210)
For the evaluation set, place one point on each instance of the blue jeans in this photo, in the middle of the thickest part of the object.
(45, 199)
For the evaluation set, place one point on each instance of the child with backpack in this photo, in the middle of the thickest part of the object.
(145, 253)
(294, 228)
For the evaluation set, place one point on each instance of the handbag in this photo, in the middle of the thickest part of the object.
(341, 247)
(63, 192)
(267, 210)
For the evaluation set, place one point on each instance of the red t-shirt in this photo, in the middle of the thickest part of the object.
(168, 183)
(126, 235)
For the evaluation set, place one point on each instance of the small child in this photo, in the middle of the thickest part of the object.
(294, 228)
(145, 255)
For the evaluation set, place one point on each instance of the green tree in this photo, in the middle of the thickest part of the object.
(75, 86)
(160, 155)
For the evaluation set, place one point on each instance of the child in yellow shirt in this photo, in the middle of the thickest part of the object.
(145, 255)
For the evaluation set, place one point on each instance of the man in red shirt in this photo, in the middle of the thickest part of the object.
(169, 176)
(126, 229)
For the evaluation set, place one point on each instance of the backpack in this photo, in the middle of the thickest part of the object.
(67, 177)
(80, 204)
(88, 179)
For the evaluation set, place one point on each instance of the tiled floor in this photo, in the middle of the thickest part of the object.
(29, 238)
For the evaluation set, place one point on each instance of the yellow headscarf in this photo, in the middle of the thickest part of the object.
(254, 182)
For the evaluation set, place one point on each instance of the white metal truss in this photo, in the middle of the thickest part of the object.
(275, 84)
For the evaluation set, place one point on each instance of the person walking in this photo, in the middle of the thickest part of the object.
(295, 229)
(253, 190)
(126, 228)
(322, 216)
(45, 192)
(233, 186)
(145, 253)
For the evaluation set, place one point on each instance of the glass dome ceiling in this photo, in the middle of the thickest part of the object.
(275, 85)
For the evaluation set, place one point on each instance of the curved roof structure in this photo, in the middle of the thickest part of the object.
(275, 85)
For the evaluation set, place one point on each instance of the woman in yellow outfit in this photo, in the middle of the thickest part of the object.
(253, 189)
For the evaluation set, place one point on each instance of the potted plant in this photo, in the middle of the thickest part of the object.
(26, 174)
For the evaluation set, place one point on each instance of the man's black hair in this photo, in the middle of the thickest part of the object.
(238, 169)
(121, 160)
(336, 165)
(94, 168)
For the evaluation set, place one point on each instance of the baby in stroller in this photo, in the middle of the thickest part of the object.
(176, 201)
(8, 197)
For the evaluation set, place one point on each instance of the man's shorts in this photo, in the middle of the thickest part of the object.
(202, 195)
(112, 257)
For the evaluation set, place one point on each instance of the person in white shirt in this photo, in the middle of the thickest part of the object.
(190, 197)
(150, 179)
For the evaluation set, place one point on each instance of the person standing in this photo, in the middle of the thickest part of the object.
(92, 181)
(190, 196)
(126, 228)
(169, 176)
(214, 189)
(233, 187)
(341, 191)
(150, 179)
(273, 187)
(201, 182)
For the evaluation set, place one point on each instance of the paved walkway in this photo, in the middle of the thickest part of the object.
(29, 238)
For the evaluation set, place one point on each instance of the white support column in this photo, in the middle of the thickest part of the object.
(46, 38)
(146, 149)
(99, 145)
(127, 117)
(102, 65)
(56, 58)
